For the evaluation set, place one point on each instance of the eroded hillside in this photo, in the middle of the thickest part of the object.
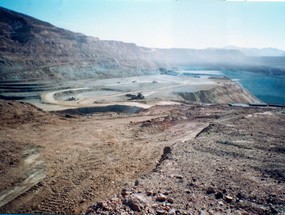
(32, 49)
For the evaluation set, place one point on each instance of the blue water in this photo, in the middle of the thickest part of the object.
(268, 88)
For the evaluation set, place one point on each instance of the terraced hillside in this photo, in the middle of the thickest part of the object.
(31, 49)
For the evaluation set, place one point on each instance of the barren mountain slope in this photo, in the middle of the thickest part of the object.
(33, 49)
(37, 50)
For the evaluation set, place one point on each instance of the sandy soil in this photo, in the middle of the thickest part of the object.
(168, 159)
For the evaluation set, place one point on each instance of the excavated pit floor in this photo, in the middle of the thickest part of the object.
(51, 96)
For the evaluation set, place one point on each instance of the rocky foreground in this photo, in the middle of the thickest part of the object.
(235, 165)
(179, 159)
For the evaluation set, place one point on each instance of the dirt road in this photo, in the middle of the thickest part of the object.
(85, 158)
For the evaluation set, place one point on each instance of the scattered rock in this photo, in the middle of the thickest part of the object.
(125, 192)
(228, 199)
(149, 193)
(104, 206)
(154, 206)
(170, 200)
(115, 199)
(219, 195)
(161, 211)
(166, 153)
(187, 191)
(210, 190)
(178, 176)
(135, 206)
(82, 201)
(136, 202)
(240, 196)
(161, 198)
(220, 203)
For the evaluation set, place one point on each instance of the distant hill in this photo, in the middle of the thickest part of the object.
(32, 49)
(269, 52)
(206, 57)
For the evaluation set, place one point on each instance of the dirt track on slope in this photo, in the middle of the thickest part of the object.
(85, 158)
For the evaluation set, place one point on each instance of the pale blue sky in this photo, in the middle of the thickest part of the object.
(166, 23)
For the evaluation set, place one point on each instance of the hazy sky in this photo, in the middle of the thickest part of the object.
(166, 23)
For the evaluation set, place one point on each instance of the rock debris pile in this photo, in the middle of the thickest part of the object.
(136, 201)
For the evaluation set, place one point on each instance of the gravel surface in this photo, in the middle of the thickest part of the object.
(176, 159)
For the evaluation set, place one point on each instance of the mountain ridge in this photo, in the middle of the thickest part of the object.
(267, 51)
(31, 49)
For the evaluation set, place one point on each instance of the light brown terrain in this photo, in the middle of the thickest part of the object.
(173, 157)
(179, 159)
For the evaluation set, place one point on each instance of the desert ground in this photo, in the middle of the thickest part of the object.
(179, 158)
